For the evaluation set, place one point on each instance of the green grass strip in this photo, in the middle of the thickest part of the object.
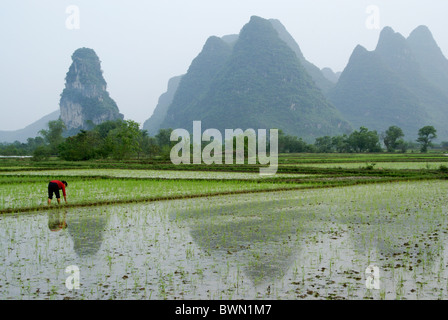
(278, 188)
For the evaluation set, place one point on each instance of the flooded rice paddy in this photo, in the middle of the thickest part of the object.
(307, 244)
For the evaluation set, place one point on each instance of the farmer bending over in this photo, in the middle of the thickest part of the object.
(53, 187)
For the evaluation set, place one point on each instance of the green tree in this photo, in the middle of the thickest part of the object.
(403, 146)
(10, 150)
(41, 153)
(83, 146)
(425, 137)
(104, 128)
(163, 137)
(291, 144)
(53, 136)
(33, 143)
(392, 138)
(340, 144)
(123, 141)
(149, 146)
(324, 144)
(364, 140)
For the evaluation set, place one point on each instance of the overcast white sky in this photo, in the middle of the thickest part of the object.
(144, 43)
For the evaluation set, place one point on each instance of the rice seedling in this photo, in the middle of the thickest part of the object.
(93, 191)
(148, 174)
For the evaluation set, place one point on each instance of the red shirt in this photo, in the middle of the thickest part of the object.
(60, 185)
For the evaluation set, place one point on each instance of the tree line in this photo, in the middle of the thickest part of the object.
(123, 139)
(362, 140)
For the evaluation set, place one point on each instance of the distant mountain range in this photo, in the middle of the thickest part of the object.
(246, 80)
(403, 82)
(29, 131)
(152, 125)
(259, 78)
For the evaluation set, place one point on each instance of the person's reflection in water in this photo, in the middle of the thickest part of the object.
(57, 221)
(86, 229)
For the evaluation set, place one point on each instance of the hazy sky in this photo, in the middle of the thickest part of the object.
(144, 43)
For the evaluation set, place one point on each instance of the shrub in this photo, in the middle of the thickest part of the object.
(370, 166)
(41, 153)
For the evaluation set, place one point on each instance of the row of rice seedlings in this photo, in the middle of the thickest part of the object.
(162, 174)
(93, 190)
(383, 165)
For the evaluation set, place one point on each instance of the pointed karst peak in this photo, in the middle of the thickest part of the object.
(85, 97)
(388, 34)
(257, 19)
(85, 53)
(358, 53)
(390, 40)
(214, 43)
(215, 49)
(359, 49)
(421, 31)
(257, 27)
(422, 36)
(433, 63)
(85, 68)
(387, 31)
(395, 50)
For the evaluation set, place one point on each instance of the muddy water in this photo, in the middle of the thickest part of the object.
(312, 244)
